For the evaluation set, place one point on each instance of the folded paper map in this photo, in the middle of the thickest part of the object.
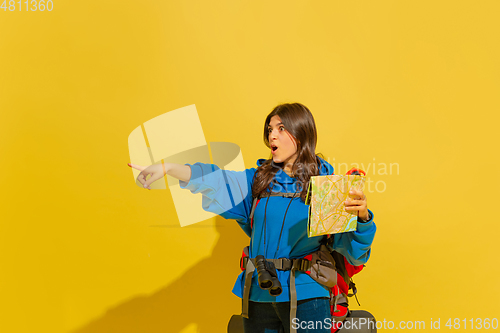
(327, 211)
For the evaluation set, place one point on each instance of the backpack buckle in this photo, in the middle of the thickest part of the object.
(284, 264)
(301, 264)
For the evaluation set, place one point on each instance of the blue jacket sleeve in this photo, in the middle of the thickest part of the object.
(355, 245)
(226, 193)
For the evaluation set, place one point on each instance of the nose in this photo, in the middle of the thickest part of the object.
(273, 134)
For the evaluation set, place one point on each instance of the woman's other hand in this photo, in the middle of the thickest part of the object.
(357, 203)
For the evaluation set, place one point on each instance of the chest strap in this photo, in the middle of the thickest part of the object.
(272, 194)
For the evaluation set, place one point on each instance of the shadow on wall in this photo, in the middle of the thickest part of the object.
(202, 295)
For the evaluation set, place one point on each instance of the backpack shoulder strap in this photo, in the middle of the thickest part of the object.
(340, 264)
(252, 211)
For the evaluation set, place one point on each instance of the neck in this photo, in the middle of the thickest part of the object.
(288, 171)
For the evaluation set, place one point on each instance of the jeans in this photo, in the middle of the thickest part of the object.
(313, 316)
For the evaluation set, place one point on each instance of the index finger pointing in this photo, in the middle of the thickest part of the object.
(135, 166)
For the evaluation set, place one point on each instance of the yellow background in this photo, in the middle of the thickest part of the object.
(83, 249)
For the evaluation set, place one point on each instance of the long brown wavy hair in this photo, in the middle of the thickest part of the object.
(299, 122)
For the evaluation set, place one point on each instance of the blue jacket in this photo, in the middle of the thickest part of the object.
(229, 194)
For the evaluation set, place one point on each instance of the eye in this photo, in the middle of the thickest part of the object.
(282, 128)
(269, 130)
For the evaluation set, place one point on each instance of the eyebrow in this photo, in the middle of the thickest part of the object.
(269, 126)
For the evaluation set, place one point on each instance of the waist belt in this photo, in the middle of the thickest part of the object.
(282, 264)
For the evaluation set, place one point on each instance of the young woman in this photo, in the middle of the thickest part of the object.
(278, 228)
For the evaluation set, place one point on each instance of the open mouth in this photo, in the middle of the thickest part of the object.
(274, 148)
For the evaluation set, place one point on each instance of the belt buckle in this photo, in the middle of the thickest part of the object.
(286, 264)
(302, 264)
(243, 263)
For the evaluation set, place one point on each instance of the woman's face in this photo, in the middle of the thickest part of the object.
(283, 145)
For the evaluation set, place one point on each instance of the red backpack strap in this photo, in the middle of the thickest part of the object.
(343, 286)
(351, 269)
